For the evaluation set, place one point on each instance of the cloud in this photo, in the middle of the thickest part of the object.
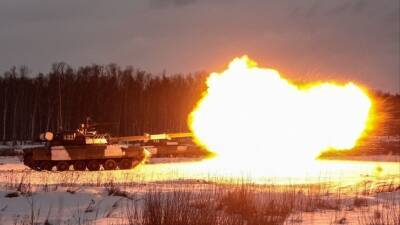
(334, 39)
(170, 3)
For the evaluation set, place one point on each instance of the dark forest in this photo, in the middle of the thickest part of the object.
(127, 101)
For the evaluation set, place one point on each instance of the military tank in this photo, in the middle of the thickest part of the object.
(82, 149)
(167, 145)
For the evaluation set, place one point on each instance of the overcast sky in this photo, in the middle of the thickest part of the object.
(343, 40)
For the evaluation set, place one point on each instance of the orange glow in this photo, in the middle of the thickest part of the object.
(253, 116)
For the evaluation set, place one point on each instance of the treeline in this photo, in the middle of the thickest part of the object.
(387, 114)
(127, 101)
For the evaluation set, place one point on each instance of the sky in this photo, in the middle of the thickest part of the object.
(344, 40)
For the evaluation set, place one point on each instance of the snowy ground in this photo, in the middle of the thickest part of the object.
(365, 192)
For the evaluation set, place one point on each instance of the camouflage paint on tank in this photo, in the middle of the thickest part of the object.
(85, 152)
(162, 150)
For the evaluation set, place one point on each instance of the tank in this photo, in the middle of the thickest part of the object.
(80, 150)
(167, 145)
(177, 147)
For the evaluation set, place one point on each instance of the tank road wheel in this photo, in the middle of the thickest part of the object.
(80, 165)
(35, 165)
(93, 165)
(110, 164)
(46, 165)
(125, 164)
(62, 166)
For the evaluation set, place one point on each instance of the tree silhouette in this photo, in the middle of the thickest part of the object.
(128, 100)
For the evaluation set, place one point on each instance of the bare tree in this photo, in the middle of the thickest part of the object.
(5, 107)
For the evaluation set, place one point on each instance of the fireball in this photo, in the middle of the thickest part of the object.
(253, 116)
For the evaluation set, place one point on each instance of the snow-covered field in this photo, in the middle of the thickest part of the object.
(179, 189)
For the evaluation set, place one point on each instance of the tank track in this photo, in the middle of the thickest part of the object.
(82, 165)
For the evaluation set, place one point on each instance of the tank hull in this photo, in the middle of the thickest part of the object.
(82, 157)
